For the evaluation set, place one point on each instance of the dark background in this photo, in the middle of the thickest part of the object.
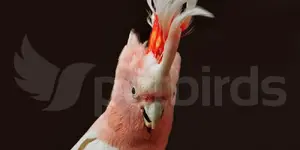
(244, 33)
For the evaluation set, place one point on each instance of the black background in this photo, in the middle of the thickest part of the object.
(243, 34)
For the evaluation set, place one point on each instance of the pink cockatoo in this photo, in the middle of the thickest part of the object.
(140, 113)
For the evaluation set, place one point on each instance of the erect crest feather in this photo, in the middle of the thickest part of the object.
(169, 12)
(168, 20)
(133, 38)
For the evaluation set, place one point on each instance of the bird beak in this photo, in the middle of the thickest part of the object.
(152, 113)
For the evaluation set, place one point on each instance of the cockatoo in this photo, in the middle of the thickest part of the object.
(139, 115)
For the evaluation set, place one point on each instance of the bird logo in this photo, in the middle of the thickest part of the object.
(47, 82)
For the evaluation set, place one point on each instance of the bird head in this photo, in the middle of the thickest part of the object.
(144, 90)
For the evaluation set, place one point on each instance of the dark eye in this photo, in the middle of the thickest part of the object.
(133, 90)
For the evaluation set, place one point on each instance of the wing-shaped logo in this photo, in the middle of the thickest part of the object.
(46, 81)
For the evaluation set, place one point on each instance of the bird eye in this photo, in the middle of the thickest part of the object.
(133, 90)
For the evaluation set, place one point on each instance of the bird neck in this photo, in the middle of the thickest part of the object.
(120, 130)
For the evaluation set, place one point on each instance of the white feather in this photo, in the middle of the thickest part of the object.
(150, 5)
(191, 12)
(94, 145)
(150, 18)
(167, 9)
(99, 145)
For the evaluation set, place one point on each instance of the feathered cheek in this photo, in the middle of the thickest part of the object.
(123, 72)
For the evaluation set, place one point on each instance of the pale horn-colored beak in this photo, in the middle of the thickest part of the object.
(152, 113)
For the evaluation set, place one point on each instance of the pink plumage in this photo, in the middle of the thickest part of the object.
(140, 113)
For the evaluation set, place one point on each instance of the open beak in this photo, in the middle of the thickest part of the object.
(152, 113)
